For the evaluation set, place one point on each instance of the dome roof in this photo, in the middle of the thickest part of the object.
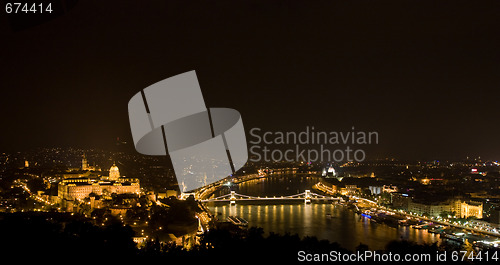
(114, 173)
(114, 168)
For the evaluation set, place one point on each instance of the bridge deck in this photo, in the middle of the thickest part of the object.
(270, 199)
(306, 196)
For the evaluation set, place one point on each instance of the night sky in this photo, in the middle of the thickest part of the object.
(424, 74)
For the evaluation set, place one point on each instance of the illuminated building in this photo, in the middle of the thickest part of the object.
(456, 207)
(375, 190)
(352, 189)
(470, 209)
(167, 194)
(331, 171)
(425, 181)
(78, 188)
(139, 240)
(431, 209)
(85, 164)
(72, 175)
(114, 173)
(389, 189)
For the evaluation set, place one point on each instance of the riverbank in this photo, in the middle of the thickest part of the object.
(448, 230)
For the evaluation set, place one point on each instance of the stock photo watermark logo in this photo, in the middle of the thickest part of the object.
(309, 145)
(204, 144)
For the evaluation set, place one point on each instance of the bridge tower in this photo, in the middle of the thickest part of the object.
(307, 198)
(232, 198)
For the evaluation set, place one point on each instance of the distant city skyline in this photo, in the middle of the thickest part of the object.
(371, 129)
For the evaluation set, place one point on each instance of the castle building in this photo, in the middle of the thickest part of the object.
(70, 189)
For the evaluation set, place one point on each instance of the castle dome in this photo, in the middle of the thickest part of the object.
(114, 173)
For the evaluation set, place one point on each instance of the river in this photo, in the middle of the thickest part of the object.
(328, 221)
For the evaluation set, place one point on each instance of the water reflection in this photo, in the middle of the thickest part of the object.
(325, 221)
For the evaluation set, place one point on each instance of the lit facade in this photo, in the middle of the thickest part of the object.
(471, 209)
(434, 210)
(85, 164)
(458, 208)
(114, 173)
(81, 187)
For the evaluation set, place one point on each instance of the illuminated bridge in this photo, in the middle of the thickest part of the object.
(306, 196)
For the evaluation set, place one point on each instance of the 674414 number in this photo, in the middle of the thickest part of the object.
(17, 8)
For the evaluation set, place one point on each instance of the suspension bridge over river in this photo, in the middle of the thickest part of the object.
(306, 196)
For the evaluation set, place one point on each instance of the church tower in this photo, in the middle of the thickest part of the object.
(85, 164)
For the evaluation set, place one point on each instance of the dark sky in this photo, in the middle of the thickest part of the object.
(424, 74)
